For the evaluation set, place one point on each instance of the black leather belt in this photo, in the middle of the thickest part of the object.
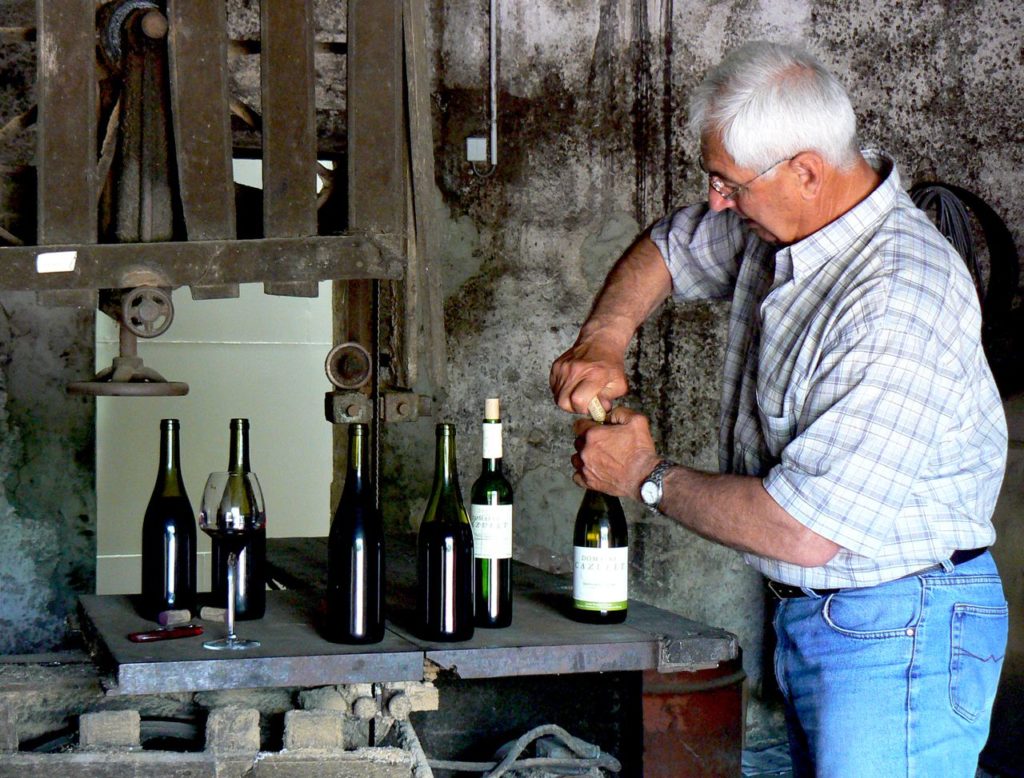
(787, 591)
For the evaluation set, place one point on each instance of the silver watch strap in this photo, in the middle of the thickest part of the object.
(658, 473)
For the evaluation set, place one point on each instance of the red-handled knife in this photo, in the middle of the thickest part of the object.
(166, 633)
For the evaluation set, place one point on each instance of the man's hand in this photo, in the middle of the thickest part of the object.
(614, 457)
(585, 371)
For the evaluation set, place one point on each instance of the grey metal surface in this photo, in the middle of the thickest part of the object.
(292, 652)
(543, 639)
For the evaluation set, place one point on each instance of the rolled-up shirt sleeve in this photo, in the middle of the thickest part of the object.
(702, 251)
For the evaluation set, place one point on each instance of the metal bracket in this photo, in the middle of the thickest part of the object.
(354, 407)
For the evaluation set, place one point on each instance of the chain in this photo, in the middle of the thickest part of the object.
(375, 393)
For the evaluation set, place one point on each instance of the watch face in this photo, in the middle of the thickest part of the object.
(650, 493)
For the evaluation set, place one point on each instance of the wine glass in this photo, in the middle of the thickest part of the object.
(232, 511)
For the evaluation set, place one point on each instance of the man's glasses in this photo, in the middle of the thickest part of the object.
(732, 191)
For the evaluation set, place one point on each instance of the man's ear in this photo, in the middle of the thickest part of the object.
(810, 170)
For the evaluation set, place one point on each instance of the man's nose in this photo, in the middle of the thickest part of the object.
(717, 202)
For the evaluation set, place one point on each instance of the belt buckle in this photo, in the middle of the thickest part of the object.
(780, 592)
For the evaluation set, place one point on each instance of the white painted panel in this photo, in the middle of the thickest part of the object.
(259, 357)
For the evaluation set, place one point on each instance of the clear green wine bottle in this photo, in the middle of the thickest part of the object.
(168, 535)
(600, 580)
(355, 553)
(444, 552)
(250, 579)
(490, 512)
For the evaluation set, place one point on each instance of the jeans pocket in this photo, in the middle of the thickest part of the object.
(872, 614)
(978, 646)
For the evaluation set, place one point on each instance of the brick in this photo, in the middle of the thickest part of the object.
(233, 730)
(319, 729)
(323, 698)
(110, 729)
(8, 730)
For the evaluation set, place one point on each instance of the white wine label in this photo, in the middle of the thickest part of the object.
(492, 531)
(491, 440)
(600, 578)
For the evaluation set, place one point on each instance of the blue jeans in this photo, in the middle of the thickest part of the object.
(893, 680)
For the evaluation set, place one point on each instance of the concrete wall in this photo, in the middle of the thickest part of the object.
(592, 149)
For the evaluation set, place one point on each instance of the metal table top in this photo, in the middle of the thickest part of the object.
(542, 640)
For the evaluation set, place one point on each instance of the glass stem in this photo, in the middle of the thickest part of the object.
(232, 572)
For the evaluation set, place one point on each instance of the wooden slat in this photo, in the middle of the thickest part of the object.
(426, 248)
(66, 93)
(197, 49)
(375, 123)
(289, 126)
(376, 136)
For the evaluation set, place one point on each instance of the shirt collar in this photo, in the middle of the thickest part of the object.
(837, 236)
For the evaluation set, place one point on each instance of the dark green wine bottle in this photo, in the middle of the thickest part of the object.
(490, 512)
(444, 552)
(600, 579)
(355, 553)
(250, 581)
(168, 535)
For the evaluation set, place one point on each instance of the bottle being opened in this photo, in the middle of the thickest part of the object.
(168, 535)
(490, 512)
(444, 552)
(355, 553)
(250, 578)
(600, 580)
(600, 571)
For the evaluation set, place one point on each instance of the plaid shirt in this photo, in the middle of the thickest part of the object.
(854, 382)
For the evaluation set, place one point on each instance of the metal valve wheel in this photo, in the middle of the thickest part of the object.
(147, 311)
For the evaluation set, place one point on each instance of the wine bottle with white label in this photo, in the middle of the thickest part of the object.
(600, 578)
(490, 513)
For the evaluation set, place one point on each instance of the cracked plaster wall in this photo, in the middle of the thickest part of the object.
(592, 150)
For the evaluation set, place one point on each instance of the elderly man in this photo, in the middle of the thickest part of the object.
(862, 440)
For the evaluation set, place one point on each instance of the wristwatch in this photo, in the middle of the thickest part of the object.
(651, 489)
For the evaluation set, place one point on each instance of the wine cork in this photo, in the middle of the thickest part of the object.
(597, 412)
(492, 410)
(170, 618)
(209, 613)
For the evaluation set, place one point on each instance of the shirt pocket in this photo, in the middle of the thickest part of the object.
(775, 412)
(978, 646)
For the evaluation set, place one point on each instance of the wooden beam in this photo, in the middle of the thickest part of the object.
(426, 218)
(289, 126)
(66, 93)
(198, 263)
(200, 108)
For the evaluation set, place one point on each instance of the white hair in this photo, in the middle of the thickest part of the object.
(769, 101)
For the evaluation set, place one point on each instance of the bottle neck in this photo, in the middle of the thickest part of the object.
(169, 478)
(358, 468)
(491, 445)
(238, 451)
(446, 476)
